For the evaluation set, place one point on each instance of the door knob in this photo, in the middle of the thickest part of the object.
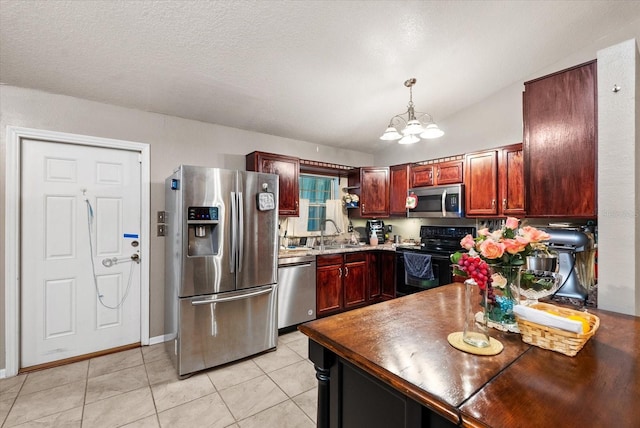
(135, 257)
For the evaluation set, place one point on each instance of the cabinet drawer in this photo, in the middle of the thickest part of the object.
(329, 259)
(355, 257)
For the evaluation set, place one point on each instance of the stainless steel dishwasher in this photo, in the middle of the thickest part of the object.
(296, 290)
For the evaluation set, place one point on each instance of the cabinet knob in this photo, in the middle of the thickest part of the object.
(346, 271)
(340, 274)
(493, 203)
(504, 204)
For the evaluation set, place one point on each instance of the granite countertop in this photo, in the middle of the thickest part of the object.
(306, 251)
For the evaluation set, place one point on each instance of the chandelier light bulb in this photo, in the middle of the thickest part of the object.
(413, 127)
(432, 131)
(391, 134)
(409, 139)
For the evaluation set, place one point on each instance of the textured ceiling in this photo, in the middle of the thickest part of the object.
(327, 72)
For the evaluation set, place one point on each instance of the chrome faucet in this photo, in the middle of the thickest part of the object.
(322, 225)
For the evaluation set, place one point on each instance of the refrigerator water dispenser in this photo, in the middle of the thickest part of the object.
(203, 234)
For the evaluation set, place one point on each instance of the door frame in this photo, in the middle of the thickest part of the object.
(14, 138)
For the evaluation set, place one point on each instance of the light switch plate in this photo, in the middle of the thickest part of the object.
(162, 230)
(162, 217)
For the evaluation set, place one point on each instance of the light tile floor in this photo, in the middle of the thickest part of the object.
(139, 388)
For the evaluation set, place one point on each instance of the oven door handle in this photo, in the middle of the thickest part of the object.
(444, 202)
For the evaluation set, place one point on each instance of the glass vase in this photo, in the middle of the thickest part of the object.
(505, 294)
(475, 331)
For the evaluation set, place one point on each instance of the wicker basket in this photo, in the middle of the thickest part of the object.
(562, 341)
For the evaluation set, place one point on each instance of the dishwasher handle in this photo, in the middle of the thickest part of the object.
(295, 264)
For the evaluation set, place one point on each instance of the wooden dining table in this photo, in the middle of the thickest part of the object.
(390, 364)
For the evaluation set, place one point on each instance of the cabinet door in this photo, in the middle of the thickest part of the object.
(388, 274)
(328, 289)
(481, 184)
(421, 175)
(355, 284)
(449, 172)
(560, 143)
(374, 289)
(511, 181)
(374, 191)
(399, 184)
(288, 170)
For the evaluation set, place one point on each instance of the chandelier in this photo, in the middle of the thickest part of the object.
(414, 127)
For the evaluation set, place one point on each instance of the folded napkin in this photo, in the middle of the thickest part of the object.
(418, 265)
(545, 318)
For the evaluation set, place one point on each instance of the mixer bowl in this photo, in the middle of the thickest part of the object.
(543, 262)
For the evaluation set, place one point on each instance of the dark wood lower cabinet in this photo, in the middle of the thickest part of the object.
(355, 280)
(351, 398)
(388, 275)
(351, 280)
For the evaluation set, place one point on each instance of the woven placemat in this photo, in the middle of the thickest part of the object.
(494, 348)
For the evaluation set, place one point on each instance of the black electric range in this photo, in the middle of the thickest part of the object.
(439, 242)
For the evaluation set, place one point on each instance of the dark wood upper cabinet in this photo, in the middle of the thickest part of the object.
(399, 184)
(288, 170)
(494, 184)
(371, 184)
(449, 172)
(511, 180)
(422, 175)
(560, 143)
(481, 184)
(437, 173)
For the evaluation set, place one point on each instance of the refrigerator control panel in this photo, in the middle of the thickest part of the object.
(202, 213)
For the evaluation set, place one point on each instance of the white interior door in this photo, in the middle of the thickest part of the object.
(80, 225)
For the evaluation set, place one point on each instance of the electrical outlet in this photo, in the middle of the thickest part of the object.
(162, 230)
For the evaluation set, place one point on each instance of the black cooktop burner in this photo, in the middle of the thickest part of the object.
(443, 239)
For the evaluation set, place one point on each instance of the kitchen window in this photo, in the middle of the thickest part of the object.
(317, 189)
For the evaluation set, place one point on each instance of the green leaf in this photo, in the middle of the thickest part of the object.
(455, 257)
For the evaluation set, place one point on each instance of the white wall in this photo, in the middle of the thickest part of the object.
(173, 141)
(618, 180)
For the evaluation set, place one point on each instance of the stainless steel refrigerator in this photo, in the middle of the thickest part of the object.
(221, 265)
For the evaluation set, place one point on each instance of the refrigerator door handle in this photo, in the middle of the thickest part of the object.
(240, 231)
(232, 298)
(234, 232)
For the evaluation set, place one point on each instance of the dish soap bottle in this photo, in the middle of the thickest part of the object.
(373, 240)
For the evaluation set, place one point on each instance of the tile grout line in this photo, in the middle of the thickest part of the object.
(86, 388)
(153, 397)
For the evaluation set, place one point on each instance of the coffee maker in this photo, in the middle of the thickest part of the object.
(568, 242)
(377, 227)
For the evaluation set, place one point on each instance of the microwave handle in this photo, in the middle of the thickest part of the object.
(444, 202)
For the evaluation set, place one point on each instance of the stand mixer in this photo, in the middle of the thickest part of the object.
(567, 243)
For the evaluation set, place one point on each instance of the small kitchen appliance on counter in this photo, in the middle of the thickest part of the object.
(221, 266)
(568, 242)
(376, 227)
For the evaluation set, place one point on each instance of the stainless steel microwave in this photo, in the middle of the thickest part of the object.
(437, 201)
